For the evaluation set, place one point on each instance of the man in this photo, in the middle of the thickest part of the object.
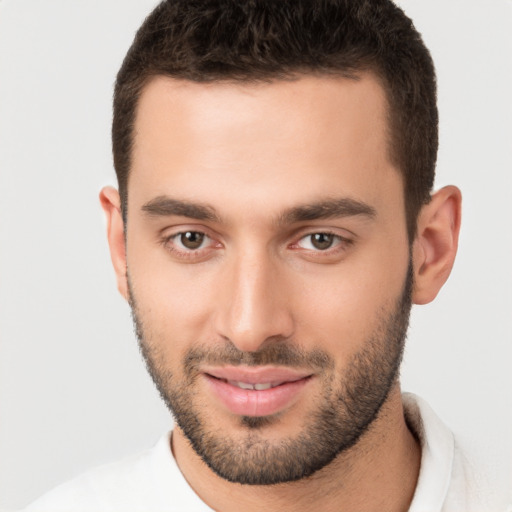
(274, 223)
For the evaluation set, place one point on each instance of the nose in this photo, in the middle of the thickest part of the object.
(253, 308)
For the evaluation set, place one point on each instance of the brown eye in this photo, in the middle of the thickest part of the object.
(322, 241)
(192, 239)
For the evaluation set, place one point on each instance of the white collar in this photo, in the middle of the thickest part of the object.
(437, 454)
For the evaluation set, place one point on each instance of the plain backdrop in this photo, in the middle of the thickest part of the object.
(73, 390)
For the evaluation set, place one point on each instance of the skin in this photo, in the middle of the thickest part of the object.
(252, 152)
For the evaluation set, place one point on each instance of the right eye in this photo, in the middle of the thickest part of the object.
(189, 244)
(190, 240)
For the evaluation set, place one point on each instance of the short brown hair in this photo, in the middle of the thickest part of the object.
(252, 40)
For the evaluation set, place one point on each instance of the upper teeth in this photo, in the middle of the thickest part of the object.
(246, 385)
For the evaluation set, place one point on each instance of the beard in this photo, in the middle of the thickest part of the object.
(350, 401)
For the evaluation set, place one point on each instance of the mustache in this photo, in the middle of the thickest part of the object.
(276, 353)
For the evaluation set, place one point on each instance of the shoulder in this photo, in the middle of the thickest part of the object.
(456, 474)
(98, 488)
(149, 480)
(481, 477)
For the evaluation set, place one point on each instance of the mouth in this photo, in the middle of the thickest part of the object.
(256, 391)
(258, 387)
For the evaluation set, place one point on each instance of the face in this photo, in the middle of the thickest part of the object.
(268, 267)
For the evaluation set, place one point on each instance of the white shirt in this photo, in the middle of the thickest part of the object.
(151, 481)
(450, 479)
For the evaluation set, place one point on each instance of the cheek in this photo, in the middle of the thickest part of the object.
(342, 309)
(173, 301)
(337, 318)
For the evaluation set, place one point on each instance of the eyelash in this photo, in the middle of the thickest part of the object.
(340, 244)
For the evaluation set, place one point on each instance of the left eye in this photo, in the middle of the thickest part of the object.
(319, 241)
(191, 240)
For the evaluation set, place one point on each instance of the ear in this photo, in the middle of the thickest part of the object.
(111, 204)
(435, 245)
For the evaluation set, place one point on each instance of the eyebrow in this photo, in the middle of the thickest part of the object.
(164, 206)
(328, 209)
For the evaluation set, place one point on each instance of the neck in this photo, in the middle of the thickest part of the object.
(379, 473)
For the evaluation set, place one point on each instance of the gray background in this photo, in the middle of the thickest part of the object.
(73, 392)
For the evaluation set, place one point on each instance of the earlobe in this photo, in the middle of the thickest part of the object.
(111, 204)
(435, 245)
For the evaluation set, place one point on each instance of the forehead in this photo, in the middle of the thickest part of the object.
(314, 135)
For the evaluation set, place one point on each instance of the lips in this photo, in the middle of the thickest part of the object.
(259, 391)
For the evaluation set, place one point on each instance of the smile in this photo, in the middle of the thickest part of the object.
(256, 391)
(258, 387)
